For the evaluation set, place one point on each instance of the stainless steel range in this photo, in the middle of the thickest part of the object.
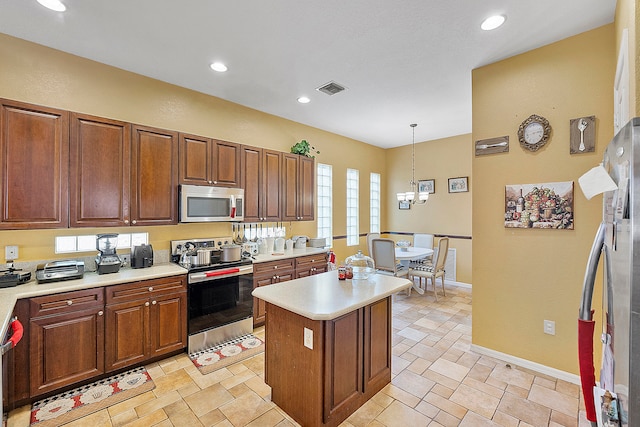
(220, 305)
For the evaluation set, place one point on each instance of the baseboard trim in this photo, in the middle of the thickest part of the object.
(546, 370)
(460, 284)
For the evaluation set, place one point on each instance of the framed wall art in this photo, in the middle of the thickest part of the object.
(548, 205)
(459, 185)
(404, 205)
(428, 185)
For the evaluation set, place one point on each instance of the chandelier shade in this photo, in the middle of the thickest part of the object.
(413, 196)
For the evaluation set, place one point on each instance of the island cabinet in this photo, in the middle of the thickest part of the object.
(154, 176)
(298, 188)
(34, 161)
(261, 182)
(206, 161)
(66, 339)
(311, 264)
(322, 379)
(268, 273)
(99, 175)
(144, 320)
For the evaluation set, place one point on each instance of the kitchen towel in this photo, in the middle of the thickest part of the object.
(227, 353)
(66, 407)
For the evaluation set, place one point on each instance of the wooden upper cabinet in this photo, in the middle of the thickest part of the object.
(195, 160)
(261, 182)
(34, 159)
(99, 173)
(298, 188)
(154, 176)
(226, 164)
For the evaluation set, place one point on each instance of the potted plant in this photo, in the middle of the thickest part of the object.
(305, 149)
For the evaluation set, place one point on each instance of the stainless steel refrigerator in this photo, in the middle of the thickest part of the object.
(615, 399)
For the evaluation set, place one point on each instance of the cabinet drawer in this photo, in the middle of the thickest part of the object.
(271, 267)
(311, 261)
(66, 302)
(145, 289)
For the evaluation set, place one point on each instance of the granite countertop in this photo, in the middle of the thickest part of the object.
(289, 253)
(324, 297)
(9, 296)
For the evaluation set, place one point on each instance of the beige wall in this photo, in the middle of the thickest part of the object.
(444, 213)
(36, 74)
(521, 277)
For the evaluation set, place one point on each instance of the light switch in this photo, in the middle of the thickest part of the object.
(308, 338)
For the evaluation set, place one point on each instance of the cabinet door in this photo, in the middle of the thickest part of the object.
(100, 151)
(34, 161)
(272, 204)
(126, 341)
(377, 345)
(310, 265)
(66, 349)
(306, 189)
(226, 164)
(343, 384)
(168, 323)
(253, 183)
(259, 306)
(195, 160)
(290, 187)
(154, 176)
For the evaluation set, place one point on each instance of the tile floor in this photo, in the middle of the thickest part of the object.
(437, 381)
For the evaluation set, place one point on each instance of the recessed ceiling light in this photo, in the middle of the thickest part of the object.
(304, 100)
(493, 22)
(219, 67)
(53, 5)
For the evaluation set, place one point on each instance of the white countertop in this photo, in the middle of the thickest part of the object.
(289, 253)
(9, 296)
(324, 297)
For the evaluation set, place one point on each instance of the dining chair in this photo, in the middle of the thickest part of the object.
(432, 271)
(423, 240)
(370, 237)
(384, 257)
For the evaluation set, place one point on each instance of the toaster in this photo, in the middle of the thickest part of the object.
(142, 256)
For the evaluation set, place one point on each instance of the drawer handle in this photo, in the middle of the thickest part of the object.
(150, 288)
(69, 302)
(146, 304)
(100, 313)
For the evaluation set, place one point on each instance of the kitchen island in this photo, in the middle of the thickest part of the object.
(328, 344)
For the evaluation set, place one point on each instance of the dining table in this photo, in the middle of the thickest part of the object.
(404, 254)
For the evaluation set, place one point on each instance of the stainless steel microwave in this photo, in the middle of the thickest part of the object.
(201, 203)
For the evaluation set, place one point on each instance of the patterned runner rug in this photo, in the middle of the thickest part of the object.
(66, 407)
(227, 353)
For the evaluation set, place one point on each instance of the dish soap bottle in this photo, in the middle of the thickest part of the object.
(361, 265)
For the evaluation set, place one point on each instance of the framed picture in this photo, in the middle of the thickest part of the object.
(545, 205)
(459, 185)
(428, 185)
(405, 205)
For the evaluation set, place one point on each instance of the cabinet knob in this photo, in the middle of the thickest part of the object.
(215, 182)
(275, 266)
(126, 221)
(134, 222)
(154, 302)
(100, 313)
(146, 304)
(150, 288)
(69, 302)
(210, 182)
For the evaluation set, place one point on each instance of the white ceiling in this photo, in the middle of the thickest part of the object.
(403, 62)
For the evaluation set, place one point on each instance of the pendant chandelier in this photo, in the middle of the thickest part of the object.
(413, 196)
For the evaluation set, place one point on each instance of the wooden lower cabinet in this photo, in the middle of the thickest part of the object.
(145, 320)
(268, 273)
(66, 339)
(311, 264)
(349, 363)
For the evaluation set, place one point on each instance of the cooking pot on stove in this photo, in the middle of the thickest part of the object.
(203, 256)
(230, 253)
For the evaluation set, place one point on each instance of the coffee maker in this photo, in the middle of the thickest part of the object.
(107, 261)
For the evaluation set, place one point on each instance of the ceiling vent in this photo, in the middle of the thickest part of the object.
(331, 88)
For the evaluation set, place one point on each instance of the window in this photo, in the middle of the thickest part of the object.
(87, 243)
(374, 196)
(325, 203)
(353, 233)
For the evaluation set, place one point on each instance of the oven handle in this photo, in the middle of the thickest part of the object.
(219, 274)
(222, 272)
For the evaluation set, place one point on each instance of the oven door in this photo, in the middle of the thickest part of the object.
(219, 301)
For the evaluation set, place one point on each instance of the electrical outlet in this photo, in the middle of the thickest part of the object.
(549, 327)
(308, 338)
(126, 260)
(10, 253)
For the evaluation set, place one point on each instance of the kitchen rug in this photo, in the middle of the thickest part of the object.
(71, 405)
(227, 353)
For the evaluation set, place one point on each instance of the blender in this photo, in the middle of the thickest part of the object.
(107, 261)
